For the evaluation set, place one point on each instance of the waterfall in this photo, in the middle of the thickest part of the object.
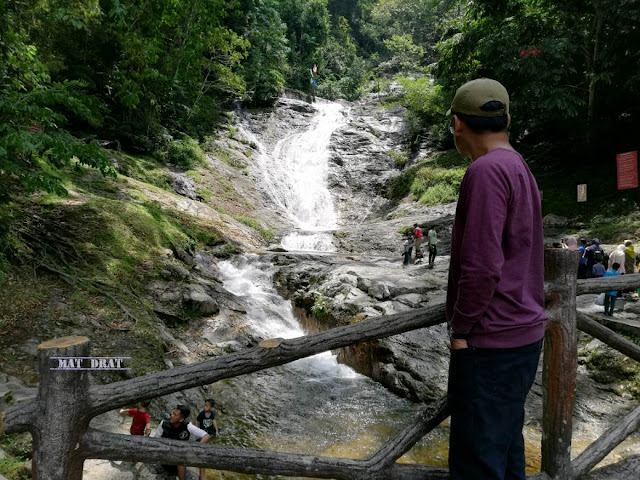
(295, 176)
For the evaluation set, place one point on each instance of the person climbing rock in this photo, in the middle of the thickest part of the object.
(495, 307)
(141, 423)
(177, 428)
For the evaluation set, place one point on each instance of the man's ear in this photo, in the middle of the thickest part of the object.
(508, 121)
(457, 124)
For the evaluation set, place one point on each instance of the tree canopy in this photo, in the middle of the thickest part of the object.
(77, 76)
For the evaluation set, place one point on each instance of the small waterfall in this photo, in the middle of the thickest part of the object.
(271, 316)
(295, 176)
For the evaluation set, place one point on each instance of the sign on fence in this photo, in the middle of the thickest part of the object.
(627, 170)
(582, 192)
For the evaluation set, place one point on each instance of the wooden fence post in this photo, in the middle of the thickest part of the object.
(60, 423)
(560, 362)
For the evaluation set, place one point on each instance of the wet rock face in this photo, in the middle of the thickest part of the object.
(413, 365)
(360, 163)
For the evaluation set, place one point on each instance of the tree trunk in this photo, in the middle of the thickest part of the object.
(591, 106)
(61, 419)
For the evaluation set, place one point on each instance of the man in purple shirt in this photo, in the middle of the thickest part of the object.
(495, 296)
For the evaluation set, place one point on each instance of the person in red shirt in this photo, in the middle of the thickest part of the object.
(417, 233)
(141, 423)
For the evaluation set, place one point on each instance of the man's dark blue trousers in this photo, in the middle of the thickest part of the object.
(487, 391)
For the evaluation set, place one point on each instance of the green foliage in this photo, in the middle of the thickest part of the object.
(14, 468)
(558, 62)
(401, 158)
(186, 152)
(607, 367)
(432, 182)
(406, 230)
(405, 54)
(320, 308)
(257, 226)
(613, 229)
(427, 104)
(400, 186)
(434, 185)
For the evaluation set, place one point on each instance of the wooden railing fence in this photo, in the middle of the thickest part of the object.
(58, 418)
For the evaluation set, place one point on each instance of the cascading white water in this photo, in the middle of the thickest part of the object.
(295, 176)
(270, 315)
(313, 403)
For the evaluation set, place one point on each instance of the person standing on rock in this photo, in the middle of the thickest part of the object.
(618, 256)
(593, 253)
(610, 297)
(432, 239)
(408, 247)
(495, 296)
(417, 235)
(629, 257)
(582, 267)
(177, 428)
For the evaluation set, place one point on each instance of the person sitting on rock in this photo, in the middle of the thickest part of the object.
(177, 428)
(141, 423)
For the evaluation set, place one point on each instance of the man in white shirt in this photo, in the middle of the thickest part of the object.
(177, 428)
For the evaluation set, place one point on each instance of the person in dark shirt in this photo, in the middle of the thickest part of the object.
(206, 420)
(177, 428)
(582, 267)
(495, 295)
(598, 270)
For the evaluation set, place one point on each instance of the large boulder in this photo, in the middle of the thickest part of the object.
(200, 301)
(379, 291)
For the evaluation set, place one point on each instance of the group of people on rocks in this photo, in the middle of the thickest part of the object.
(415, 239)
(595, 263)
(176, 427)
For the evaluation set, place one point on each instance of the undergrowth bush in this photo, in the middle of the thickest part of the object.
(433, 186)
(185, 152)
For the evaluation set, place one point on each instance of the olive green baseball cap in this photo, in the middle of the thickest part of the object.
(472, 97)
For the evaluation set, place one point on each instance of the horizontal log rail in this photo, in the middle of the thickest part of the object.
(109, 446)
(603, 284)
(107, 397)
(63, 442)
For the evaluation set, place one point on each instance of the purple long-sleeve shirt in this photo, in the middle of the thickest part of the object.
(496, 275)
